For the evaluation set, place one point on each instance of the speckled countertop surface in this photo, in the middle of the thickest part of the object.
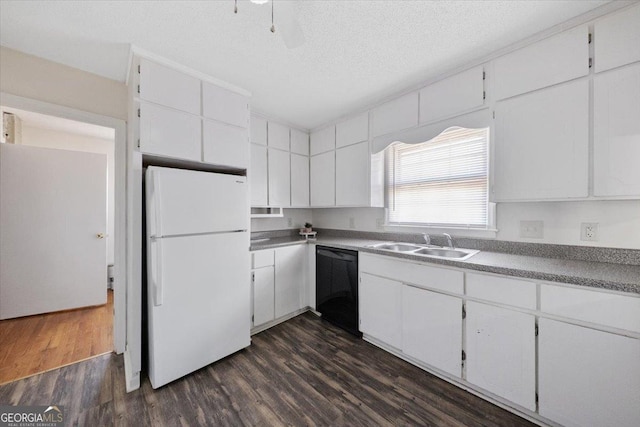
(618, 277)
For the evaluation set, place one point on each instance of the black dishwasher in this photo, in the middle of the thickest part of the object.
(337, 287)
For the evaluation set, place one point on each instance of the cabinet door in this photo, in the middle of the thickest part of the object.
(352, 131)
(323, 179)
(224, 144)
(290, 262)
(225, 105)
(556, 59)
(168, 132)
(380, 308)
(616, 132)
(299, 181)
(258, 175)
(588, 377)
(617, 39)
(278, 136)
(322, 141)
(501, 352)
(432, 328)
(279, 178)
(258, 130)
(352, 175)
(452, 96)
(263, 295)
(165, 86)
(542, 145)
(299, 142)
(401, 113)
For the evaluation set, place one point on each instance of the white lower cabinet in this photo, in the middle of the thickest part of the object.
(432, 328)
(380, 307)
(588, 377)
(501, 352)
(263, 295)
(289, 279)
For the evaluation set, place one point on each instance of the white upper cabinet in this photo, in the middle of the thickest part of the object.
(225, 105)
(278, 136)
(165, 86)
(299, 142)
(541, 148)
(225, 144)
(322, 178)
(401, 113)
(299, 181)
(258, 130)
(550, 61)
(616, 132)
(257, 174)
(453, 95)
(353, 130)
(323, 140)
(352, 175)
(279, 178)
(168, 132)
(617, 39)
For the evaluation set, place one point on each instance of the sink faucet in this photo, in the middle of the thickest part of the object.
(449, 240)
(427, 238)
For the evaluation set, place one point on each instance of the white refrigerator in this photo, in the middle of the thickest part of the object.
(198, 288)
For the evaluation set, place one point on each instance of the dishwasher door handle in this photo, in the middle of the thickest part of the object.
(336, 255)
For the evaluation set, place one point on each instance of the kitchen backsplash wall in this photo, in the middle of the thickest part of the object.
(618, 221)
(295, 217)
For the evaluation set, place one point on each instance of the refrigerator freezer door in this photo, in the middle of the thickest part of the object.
(205, 310)
(190, 202)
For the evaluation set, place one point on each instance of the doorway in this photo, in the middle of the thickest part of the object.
(90, 326)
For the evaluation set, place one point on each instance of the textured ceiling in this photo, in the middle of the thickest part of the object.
(356, 52)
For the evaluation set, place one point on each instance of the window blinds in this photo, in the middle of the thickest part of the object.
(441, 182)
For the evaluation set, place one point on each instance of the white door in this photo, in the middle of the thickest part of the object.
(53, 209)
(322, 179)
(263, 295)
(299, 181)
(289, 284)
(352, 175)
(432, 328)
(258, 175)
(380, 308)
(501, 352)
(279, 178)
(198, 302)
(588, 377)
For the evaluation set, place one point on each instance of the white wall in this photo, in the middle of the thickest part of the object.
(619, 221)
(298, 218)
(48, 138)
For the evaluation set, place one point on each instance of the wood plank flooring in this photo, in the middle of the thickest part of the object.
(302, 372)
(33, 344)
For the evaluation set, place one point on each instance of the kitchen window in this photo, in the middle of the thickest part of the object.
(442, 182)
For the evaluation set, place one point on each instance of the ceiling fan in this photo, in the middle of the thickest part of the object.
(285, 15)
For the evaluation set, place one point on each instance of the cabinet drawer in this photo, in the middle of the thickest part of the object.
(225, 144)
(165, 86)
(262, 258)
(413, 273)
(617, 311)
(225, 105)
(504, 290)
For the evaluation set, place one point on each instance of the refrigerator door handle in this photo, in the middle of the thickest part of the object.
(155, 223)
(156, 271)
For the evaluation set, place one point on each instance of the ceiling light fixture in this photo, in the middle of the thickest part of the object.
(259, 1)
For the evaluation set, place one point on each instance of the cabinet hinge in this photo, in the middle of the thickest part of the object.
(484, 95)
(484, 75)
(589, 38)
(138, 88)
(138, 68)
(252, 318)
(138, 112)
(138, 142)
(537, 331)
(253, 277)
(590, 62)
(464, 311)
(537, 399)
(494, 114)
(464, 356)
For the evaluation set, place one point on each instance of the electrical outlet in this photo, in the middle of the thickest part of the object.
(352, 222)
(589, 231)
(532, 229)
(379, 223)
(289, 222)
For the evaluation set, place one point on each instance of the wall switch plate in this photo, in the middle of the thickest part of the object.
(379, 223)
(532, 229)
(352, 222)
(289, 222)
(589, 231)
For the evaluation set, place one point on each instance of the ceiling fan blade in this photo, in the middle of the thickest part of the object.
(287, 24)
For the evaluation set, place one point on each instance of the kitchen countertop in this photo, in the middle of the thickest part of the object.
(618, 277)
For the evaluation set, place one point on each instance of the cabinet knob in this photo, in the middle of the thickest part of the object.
(100, 235)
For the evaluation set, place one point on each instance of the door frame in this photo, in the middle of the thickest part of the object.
(119, 241)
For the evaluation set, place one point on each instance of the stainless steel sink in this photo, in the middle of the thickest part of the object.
(427, 251)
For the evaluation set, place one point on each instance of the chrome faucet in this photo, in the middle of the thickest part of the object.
(427, 238)
(449, 240)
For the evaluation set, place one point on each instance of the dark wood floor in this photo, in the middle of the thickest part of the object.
(302, 372)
